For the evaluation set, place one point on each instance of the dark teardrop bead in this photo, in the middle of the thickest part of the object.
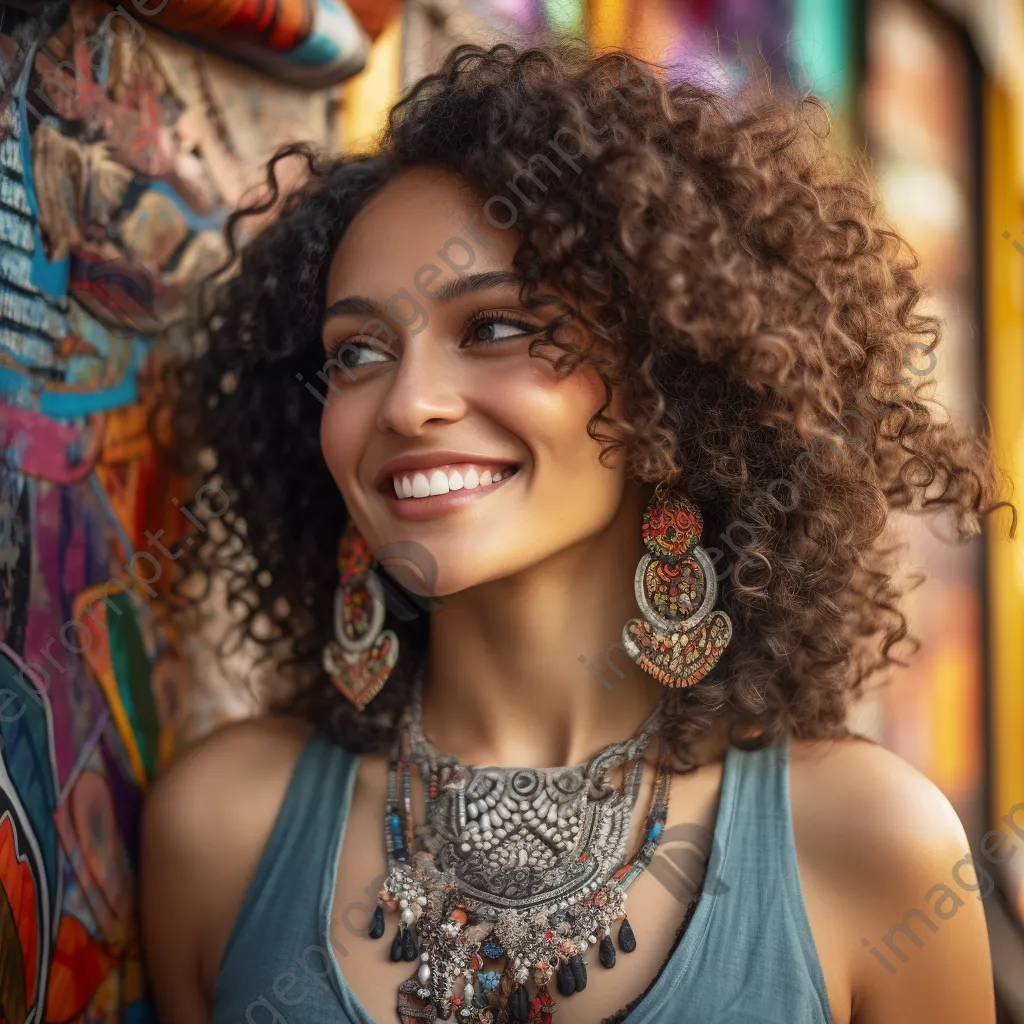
(606, 952)
(396, 946)
(566, 980)
(519, 1004)
(409, 950)
(627, 940)
(578, 967)
(377, 924)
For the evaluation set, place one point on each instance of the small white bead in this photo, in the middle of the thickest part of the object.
(408, 917)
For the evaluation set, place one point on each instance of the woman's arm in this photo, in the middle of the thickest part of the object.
(911, 913)
(172, 901)
(204, 828)
(933, 961)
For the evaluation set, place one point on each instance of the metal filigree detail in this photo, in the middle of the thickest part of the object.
(513, 837)
(514, 875)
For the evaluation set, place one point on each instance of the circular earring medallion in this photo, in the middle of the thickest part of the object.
(671, 527)
(663, 623)
(359, 612)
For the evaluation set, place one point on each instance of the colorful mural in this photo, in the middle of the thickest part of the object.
(122, 148)
(313, 43)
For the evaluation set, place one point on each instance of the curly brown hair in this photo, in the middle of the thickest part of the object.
(761, 329)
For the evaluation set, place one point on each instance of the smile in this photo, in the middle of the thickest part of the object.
(444, 479)
(434, 491)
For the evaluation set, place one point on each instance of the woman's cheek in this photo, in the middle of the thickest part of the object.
(337, 439)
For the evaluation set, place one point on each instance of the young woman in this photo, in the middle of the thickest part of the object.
(563, 435)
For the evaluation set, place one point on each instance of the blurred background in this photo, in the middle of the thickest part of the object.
(128, 133)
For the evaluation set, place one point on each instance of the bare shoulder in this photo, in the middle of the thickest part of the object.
(228, 779)
(234, 757)
(224, 792)
(894, 898)
(205, 825)
(864, 807)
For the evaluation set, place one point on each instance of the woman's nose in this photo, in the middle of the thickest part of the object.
(424, 391)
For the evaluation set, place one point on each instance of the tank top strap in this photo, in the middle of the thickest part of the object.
(286, 891)
(761, 839)
(760, 902)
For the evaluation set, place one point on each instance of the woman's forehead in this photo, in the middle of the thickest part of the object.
(425, 218)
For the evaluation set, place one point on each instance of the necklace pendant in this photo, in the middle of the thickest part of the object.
(512, 878)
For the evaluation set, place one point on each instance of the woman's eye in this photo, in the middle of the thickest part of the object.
(500, 330)
(354, 353)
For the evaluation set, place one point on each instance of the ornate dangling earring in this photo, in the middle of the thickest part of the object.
(363, 653)
(679, 639)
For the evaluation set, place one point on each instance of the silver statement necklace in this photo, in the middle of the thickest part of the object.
(516, 874)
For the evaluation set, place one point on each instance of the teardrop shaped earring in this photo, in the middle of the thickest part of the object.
(679, 638)
(363, 653)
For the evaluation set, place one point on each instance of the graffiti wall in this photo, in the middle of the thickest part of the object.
(122, 148)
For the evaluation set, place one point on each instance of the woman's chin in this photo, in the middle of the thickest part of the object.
(424, 576)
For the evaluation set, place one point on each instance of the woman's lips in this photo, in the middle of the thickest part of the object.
(434, 505)
(424, 483)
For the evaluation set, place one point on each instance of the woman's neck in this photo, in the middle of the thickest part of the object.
(529, 670)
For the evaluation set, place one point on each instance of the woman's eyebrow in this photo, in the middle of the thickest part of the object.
(353, 305)
(460, 286)
(360, 305)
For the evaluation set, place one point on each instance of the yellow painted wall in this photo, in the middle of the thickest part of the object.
(606, 23)
(367, 98)
(1005, 385)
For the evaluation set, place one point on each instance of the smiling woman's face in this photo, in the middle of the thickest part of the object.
(442, 430)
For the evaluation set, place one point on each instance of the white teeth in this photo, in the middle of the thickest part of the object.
(438, 483)
(420, 486)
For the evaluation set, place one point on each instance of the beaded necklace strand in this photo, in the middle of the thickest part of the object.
(456, 937)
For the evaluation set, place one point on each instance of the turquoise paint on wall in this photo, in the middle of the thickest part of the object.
(564, 16)
(822, 42)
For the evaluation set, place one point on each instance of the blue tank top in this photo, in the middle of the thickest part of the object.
(747, 957)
